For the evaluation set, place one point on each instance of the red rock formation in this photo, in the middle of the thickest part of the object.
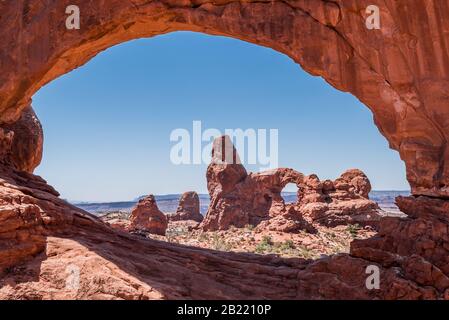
(56, 238)
(238, 198)
(400, 72)
(21, 143)
(120, 224)
(42, 237)
(146, 216)
(417, 246)
(289, 220)
(343, 201)
(188, 209)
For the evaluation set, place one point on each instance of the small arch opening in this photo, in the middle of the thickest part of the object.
(290, 193)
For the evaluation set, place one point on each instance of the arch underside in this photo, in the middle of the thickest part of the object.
(399, 72)
(386, 69)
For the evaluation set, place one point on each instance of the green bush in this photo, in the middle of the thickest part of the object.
(219, 244)
(250, 227)
(266, 245)
(354, 229)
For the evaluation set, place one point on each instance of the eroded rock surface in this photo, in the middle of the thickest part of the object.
(239, 199)
(188, 208)
(400, 71)
(343, 201)
(43, 238)
(21, 143)
(146, 216)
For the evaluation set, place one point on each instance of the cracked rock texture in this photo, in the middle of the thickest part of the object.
(400, 72)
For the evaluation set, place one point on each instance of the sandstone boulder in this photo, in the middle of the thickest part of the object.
(119, 224)
(188, 208)
(118, 220)
(21, 142)
(147, 217)
(289, 220)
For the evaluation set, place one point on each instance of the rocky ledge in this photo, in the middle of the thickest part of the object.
(43, 238)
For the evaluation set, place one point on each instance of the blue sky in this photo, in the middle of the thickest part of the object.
(107, 124)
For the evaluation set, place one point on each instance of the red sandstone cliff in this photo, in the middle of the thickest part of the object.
(400, 72)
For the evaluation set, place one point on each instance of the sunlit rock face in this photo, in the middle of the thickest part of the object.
(188, 208)
(147, 217)
(239, 199)
(344, 201)
(399, 71)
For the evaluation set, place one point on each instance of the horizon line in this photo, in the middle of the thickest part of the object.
(75, 202)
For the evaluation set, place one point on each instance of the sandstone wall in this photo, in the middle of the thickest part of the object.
(400, 71)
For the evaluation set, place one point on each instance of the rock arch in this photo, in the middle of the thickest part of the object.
(401, 72)
(398, 71)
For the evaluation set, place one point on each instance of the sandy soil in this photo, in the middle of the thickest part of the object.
(326, 241)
